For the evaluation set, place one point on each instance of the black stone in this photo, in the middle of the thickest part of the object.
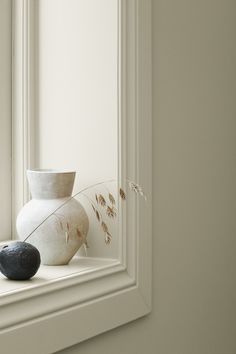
(19, 260)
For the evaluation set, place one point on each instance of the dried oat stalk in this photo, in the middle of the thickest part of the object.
(108, 236)
(108, 239)
(101, 200)
(104, 227)
(112, 199)
(134, 187)
(111, 211)
(98, 216)
(96, 212)
(122, 194)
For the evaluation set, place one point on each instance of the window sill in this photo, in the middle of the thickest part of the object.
(47, 275)
(55, 289)
(70, 303)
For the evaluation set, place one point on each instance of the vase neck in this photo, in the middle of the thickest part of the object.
(47, 184)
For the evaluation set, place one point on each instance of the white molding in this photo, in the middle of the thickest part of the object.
(22, 101)
(75, 308)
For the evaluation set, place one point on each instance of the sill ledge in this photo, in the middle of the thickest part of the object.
(54, 274)
(55, 288)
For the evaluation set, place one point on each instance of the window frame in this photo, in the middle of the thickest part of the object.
(75, 308)
(5, 119)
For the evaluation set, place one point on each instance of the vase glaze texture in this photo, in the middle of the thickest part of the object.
(63, 233)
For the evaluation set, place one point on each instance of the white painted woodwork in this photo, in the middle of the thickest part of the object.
(5, 119)
(74, 308)
(54, 274)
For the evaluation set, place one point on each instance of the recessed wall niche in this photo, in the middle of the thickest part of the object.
(76, 96)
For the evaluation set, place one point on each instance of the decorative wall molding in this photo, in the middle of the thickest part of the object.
(75, 308)
(22, 101)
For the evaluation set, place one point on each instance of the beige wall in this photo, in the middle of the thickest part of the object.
(194, 134)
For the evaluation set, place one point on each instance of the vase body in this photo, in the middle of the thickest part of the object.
(62, 234)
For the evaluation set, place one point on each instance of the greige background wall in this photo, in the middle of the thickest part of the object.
(194, 144)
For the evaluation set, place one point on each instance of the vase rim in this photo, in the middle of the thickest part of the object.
(48, 170)
(50, 184)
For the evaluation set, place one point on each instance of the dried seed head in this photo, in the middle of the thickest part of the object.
(108, 239)
(104, 227)
(101, 200)
(67, 226)
(137, 189)
(112, 199)
(79, 234)
(114, 211)
(98, 215)
(96, 197)
(111, 212)
(122, 194)
(107, 233)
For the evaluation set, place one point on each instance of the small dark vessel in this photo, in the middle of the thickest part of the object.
(19, 260)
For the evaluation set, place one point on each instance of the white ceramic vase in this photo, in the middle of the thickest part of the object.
(62, 234)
